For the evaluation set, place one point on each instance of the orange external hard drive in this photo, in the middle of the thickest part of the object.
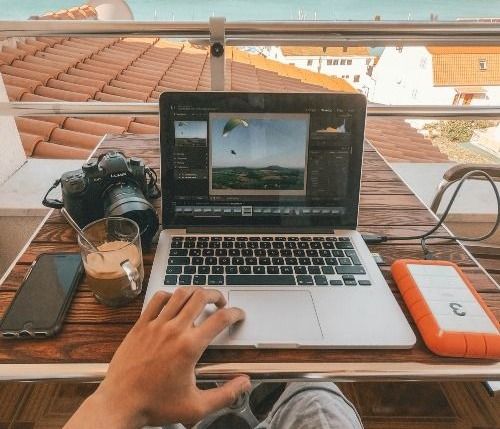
(450, 315)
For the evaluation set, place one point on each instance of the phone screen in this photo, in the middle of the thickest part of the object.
(44, 294)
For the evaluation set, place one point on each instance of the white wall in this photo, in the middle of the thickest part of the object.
(405, 77)
(11, 149)
(319, 64)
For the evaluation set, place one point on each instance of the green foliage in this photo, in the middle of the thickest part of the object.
(457, 131)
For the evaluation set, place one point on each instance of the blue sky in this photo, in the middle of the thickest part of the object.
(190, 129)
(263, 143)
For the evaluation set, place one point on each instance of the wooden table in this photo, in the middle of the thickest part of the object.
(92, 331)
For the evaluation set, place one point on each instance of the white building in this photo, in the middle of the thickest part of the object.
(448, 75)
(354, 64)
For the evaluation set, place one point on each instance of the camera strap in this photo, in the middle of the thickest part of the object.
(52, 203)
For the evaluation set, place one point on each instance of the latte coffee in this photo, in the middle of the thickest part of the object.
(105, 275)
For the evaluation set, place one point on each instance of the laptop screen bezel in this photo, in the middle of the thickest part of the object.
(292, 103)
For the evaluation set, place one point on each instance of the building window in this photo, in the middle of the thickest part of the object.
(414, 93)
(335, 62)
(356, 78)
(349, 62)
(368, 61)
(292, 64)
(399, 49)
(342, 62)
(423, 62)
(482, 65)
(309, 62)
(344, 48)
(328, 62)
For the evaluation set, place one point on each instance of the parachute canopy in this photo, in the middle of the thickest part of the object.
(232, 124)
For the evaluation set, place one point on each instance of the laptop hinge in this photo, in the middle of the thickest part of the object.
(257, 230)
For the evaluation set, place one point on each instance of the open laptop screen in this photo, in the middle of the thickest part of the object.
(247, 159)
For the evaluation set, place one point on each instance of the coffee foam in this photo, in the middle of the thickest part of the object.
(105, 264)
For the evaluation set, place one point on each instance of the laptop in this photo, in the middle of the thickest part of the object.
(260, 201)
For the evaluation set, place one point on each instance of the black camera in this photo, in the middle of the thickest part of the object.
(112, 185)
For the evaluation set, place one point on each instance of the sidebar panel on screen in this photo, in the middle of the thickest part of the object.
(191, 160)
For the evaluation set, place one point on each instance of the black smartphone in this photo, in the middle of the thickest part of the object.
(41, 302)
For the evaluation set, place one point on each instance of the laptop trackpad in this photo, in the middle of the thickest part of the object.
(275, 317)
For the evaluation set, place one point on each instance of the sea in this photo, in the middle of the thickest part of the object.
(240, 10)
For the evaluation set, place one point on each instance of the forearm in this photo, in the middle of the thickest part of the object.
(98, 412)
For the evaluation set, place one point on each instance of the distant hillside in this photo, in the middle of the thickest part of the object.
(270, 178)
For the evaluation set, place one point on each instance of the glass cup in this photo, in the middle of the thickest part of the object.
(114, 267)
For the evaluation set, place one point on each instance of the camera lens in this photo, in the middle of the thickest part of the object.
(127, 200)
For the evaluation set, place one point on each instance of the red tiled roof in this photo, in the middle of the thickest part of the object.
(114, 69)
(124, 69)
(397, 141)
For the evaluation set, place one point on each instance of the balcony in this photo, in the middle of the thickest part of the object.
(124, 66)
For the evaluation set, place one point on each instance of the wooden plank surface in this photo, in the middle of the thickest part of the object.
(92, 331)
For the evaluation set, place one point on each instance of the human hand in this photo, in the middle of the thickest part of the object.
(151, 378)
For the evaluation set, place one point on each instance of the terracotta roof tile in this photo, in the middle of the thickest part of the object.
(38, 43)
(51, 41)
(61, 94)
(88, 74)
(65, 60)
(79, 46)
(149, 120)
(18, 53)
(52, 71)
(105, 71)
(60, 51)
(138, 95)
(34, 97)
(72, 87)
(35, 127)
(132, 86)
(29, 142)
(102, 96)
(26, 47)
(90, 127)
(7, 58)
(91, 83)
(74, 139)
(113, 60)
(51, 150)
(154, 74)
(151, 65)
(15, 93)
(27, 74)
(138, 128)
(71, 51)
(121, 121)
(56, 119)
(29, 84)
(111, 67)
(131, 77)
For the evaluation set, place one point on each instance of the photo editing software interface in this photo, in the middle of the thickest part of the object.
(264, 168)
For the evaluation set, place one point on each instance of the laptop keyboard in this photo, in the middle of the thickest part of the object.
(264, 260)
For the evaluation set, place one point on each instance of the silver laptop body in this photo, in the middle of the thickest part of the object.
(260, 197)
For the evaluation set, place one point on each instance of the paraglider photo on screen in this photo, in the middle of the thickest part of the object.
(258, 154)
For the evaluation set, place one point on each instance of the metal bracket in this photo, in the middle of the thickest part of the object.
(217, 52)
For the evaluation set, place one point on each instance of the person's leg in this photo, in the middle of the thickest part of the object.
(312, 405)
